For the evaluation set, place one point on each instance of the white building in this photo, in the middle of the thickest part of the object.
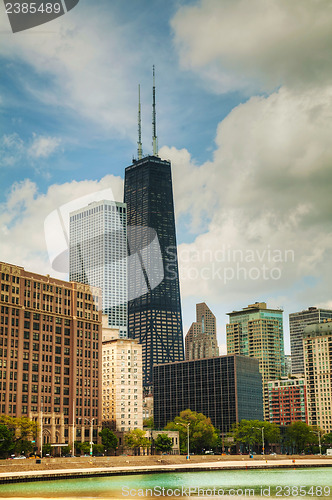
(98, 256)
(122, 382)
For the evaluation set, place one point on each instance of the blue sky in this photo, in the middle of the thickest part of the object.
(243, 112)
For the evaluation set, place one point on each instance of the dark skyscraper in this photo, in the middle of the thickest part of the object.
(154, 311)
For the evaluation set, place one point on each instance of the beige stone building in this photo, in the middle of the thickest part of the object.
(201, 339)
(122, 381)
(50, 353)
(317, 346)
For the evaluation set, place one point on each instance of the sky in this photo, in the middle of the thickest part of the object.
(244, 113)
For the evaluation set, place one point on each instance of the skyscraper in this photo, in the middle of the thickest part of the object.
(154, 311)
(317, 344)
(201, 339)
(98, 256)
(258, 332)
(297, 322)
(154, 307)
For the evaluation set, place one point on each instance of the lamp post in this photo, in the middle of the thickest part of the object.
(91, 434)
(41, 428)
(262, 429)
(319, 441)
(186, 425)
(73, 449)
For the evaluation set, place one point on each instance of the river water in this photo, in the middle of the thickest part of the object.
(309, 483)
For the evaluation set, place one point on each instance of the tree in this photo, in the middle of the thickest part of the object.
(7, 443)
(327, 438)
(298, 434)
(98, 449)
(23, 430)
(249, 433)
(202, 434)
(108, 439)
(148, 422)
(136, 439)
(163, 443)
(47, 448)
(82, 448)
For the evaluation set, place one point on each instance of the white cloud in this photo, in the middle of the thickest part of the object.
(236, 44)
(267, 195)
(88, 61)
(11, 149)
(43, 146)
(23, 214)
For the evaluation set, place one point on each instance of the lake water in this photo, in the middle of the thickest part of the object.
(309, 483)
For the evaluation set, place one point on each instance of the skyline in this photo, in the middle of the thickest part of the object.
(243, 113)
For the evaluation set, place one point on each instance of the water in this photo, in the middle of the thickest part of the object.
(310, 483)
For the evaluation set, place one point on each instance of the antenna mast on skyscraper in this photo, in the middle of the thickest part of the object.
(154, 125)
(139, 148)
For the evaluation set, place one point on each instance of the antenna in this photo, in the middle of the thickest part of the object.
(154, 125)
(139, 143)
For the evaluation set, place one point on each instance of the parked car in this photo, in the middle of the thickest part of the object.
(20, 457)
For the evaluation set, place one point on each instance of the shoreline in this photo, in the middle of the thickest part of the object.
(48, 471)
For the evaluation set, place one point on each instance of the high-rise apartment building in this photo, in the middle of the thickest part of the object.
(226, 389)
(154, 308)
(201, 339)
(122, 382)
(287, 401)
(297, 323)
(50, 353)
(257, 331)
(317, 343)
(98, 256)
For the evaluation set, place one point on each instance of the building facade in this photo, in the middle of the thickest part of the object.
(317, 343)
(201, 339)
(98, 256)
(297, 323)
(50, 353)
(288, 401)
(257, 331)
(226, 389)
(122, 382)
(154, 308)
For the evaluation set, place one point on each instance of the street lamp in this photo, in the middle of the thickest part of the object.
(262, 429)
(319, 441)
(91, 434)
(186, 425)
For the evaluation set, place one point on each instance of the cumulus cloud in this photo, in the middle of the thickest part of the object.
(236, 44)
(264, 200)
(87, 63)
(23, 214)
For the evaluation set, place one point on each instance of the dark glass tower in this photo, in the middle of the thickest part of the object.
(154, 308)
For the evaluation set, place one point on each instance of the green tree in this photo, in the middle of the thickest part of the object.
(7, 439)
(136, 439)
(202, 434)
(82, 448)
(47, 448)
(65, 450)
(98, 449)
(108, 439)
(23, 430)
(327, 438)
(249, 433)
(163, 443)
(298, 434)
(148, 422)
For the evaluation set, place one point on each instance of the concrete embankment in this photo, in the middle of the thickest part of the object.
(69, 468)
